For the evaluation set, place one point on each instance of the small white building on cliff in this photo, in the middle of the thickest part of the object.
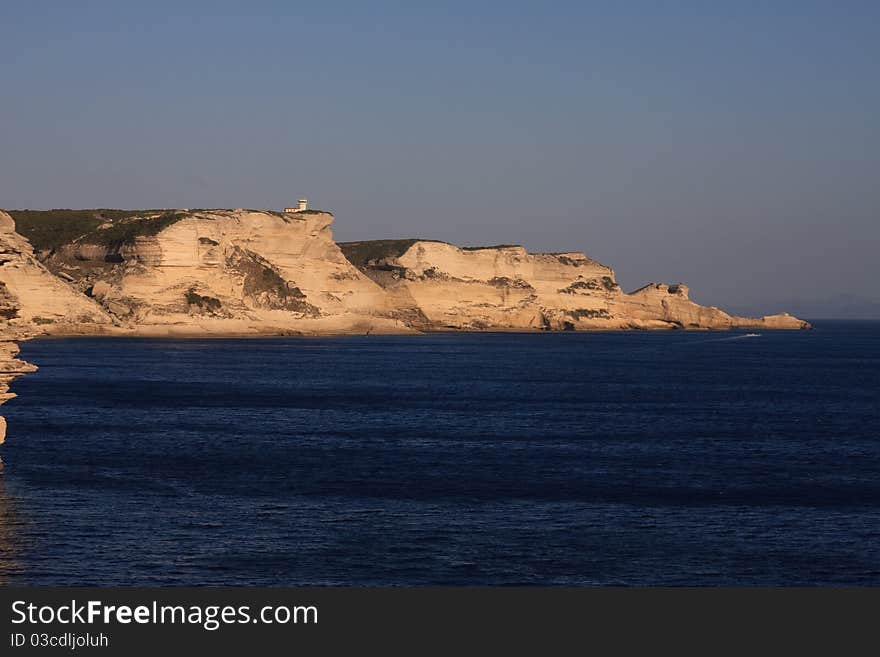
(302, 207)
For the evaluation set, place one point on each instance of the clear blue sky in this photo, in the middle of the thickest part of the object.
(731, 145)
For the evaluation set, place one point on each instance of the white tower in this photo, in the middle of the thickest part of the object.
(302, 207)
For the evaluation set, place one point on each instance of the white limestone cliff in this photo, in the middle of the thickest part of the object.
(40, 301)
(243, 272)
(10, 369)
(506, 287)
(230, 272)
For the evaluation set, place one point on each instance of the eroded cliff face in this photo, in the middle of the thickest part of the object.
(668, 306)
(10, 369)
(225, 272)
(16, 278)
(506, 287)
(240, 272)
(35, 300)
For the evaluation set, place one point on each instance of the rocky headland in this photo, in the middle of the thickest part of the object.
(247, 272)
(441, 286)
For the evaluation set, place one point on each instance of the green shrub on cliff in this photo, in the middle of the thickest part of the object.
(359, 253)
(588, 313)
(493, 246)
(211, 304)
(125, 232)
(51, 229)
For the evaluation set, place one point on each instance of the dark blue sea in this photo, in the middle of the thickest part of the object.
(678, 458)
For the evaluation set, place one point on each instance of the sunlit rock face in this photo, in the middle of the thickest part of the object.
(506, 287)
(34, 299)
(670, 305)
(225, 272)
(241, 272)
(20, 278)
(10, 369)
